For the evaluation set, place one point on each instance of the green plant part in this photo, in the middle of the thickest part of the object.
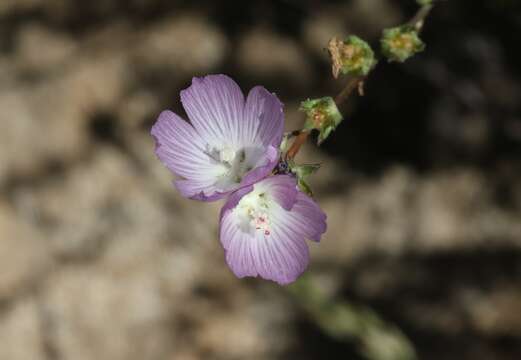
(351, 322)
(352, 56)
(400, 43)
(284, 145)
(302, 172)
(322, 115)
(424, 2)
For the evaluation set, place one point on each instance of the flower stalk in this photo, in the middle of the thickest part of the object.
(352, 85)
(297, 144)
(418, 20)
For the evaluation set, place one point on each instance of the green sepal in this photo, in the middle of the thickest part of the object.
(304, 187)
(324, 133)
(302, 172)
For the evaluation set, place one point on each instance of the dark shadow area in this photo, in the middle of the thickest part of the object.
(312, 344)
(429, 297)
(104, 127)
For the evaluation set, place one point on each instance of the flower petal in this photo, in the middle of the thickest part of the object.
(282, 189)
(270, 159)
(199, 190)
(278, 256)
(306, 218)
(263, 118)
(215, 105)
(182, 151)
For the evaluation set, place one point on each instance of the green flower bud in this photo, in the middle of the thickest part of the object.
(400, 43)
(322, 115)
(352, 56)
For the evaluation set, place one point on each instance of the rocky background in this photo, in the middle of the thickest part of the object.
(101, 259)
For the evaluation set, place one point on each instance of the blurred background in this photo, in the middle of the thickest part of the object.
(101, 259)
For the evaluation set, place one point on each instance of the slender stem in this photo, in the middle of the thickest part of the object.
(299, 141)
(419, 18)
(348, 90)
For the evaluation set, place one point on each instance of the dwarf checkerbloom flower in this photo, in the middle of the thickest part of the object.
(230, 143)
(230, 149)
(264, 228)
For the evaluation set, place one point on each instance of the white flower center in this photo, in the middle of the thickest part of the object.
(235, 163)
(253, 212)
(227, 155)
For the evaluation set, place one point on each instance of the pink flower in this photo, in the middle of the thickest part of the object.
(230, 143)
(264, 228)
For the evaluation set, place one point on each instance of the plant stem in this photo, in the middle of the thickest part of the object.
(418, 19)
(348, 90)
(297, 143)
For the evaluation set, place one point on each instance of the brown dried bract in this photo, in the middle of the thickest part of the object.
(335, 47)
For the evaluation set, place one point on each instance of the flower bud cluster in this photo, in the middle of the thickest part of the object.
(400, 43)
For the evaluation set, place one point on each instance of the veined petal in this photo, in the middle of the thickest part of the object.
(264, 230)
(305, 218)
(182, 151)
(263, 118)
(282, 189)
(277, 257)
(199, 190)
(215, 106)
